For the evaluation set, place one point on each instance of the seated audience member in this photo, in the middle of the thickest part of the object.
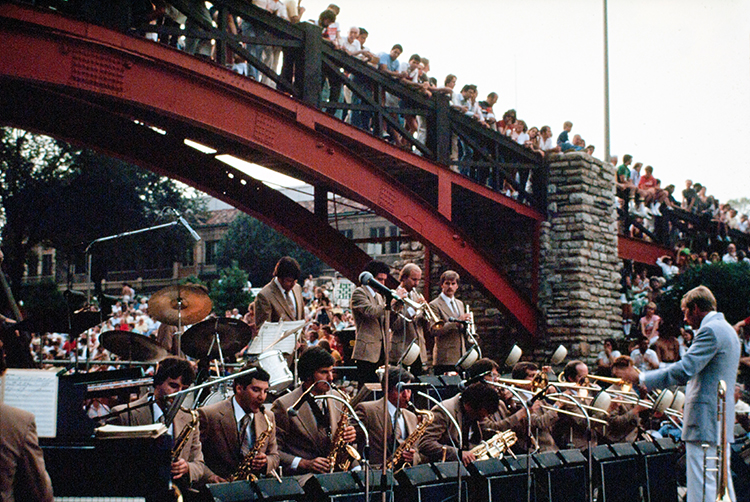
(486, 108)
(521, 136)
(545, 141)
(563, 141)
(649, 323)
(606, 357)
(644, 359)
(667, 347)
(505, 126)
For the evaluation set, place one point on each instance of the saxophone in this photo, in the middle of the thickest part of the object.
(342, 454)
(245, 468)
(427, 418)
(182, 438)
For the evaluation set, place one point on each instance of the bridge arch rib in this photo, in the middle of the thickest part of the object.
(88, 84)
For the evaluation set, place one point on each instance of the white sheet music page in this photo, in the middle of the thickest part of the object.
(271, 336)
(34, 391)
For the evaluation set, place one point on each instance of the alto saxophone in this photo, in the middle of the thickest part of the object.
(182, 439)
(395, 463)
(244, 470)
(342, 454)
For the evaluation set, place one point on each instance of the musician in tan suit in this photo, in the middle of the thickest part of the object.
(368, 308)
(304, 437)
(470, 409)
(281, 299)
(371, 415)
(23, 477)
(227, 436)
(572, 431)
(624, 420)
(172, 375)
(404, 331)
(449, 340)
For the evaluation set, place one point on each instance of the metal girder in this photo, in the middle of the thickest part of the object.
(96, 64)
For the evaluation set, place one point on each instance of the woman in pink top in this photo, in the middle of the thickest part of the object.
(650, 323)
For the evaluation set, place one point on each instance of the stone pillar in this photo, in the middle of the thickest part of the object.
(579, 280)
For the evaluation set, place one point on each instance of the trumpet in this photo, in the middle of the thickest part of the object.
(430, 314)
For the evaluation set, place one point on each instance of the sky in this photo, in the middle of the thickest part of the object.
(679, 71)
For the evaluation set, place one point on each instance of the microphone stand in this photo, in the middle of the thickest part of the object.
(525, 406)
(460, 435)
(387, 358)
(573, 401)
(353, 414)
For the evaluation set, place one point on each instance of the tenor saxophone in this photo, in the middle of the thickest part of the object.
(496, 446)
(396, 463)
(244, 470)
(342, 454)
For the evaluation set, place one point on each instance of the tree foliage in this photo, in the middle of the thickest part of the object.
(742, 205)
(729, 282)
(229, 291)
(63, 197)
(256, 248)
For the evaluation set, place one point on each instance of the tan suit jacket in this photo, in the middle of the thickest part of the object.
(369, 319)
(622, 423)
(404, 332)
(441, 432)
(192, 453)
(270, 305)
(300, 436)
(371, 415)
(449, 340)
(220, 438)
(22, 473)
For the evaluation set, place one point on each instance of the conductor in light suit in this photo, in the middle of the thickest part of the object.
(368, 308)
(713, 356)
(449, 339)
(281, 299)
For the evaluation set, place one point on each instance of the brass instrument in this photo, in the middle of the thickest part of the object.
(342, 453)
(722, 482)
(395, 462)
(435, 321)
(179, 444)
(182, 438)
(496, 446)
(244, 470)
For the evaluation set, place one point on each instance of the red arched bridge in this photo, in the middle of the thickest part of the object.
(108, 88)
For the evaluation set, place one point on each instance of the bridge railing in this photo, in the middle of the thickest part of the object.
(312, 66)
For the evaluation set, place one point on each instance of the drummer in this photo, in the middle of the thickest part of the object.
(281, 299)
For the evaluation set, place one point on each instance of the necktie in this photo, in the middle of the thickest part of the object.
(245, 438)
(290, 300)
(454, 307)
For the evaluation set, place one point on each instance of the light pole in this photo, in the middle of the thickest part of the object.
(606, 86)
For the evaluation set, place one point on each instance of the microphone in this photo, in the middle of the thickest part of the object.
(476, 378)
(193, 233)
(404, 385)
(293, 411)
(455, 319)
(367, 279)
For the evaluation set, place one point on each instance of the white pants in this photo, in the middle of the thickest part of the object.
(695, 473)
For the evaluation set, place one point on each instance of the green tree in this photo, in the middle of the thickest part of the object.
(256, 247)
(729, 282)
(65, 198)
(229, 291)
(742, 205)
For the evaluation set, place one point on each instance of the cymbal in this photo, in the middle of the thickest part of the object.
(190, 302)
(132, 346)
(233, 334)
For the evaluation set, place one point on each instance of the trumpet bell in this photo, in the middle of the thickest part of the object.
(471, 356)
(559, 355)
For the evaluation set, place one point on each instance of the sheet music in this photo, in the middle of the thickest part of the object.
(272, 331)
(34, 391)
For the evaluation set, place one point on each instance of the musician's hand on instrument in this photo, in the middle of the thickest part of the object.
(350, 434)
(467, 457)
(179, 468)
(216, 479)
(318, 464)
(464, 317)
(536, 406)
(547, 369)
(260, 461)
(408, 456)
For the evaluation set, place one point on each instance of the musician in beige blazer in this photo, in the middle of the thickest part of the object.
(304, 438)
(281, 299)
(449, 340)
(368, 308)
(371, 415)
(24, 476)
(404, 331)
(221, 429)
(172, 375)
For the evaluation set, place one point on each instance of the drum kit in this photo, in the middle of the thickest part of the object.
(205, 340)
